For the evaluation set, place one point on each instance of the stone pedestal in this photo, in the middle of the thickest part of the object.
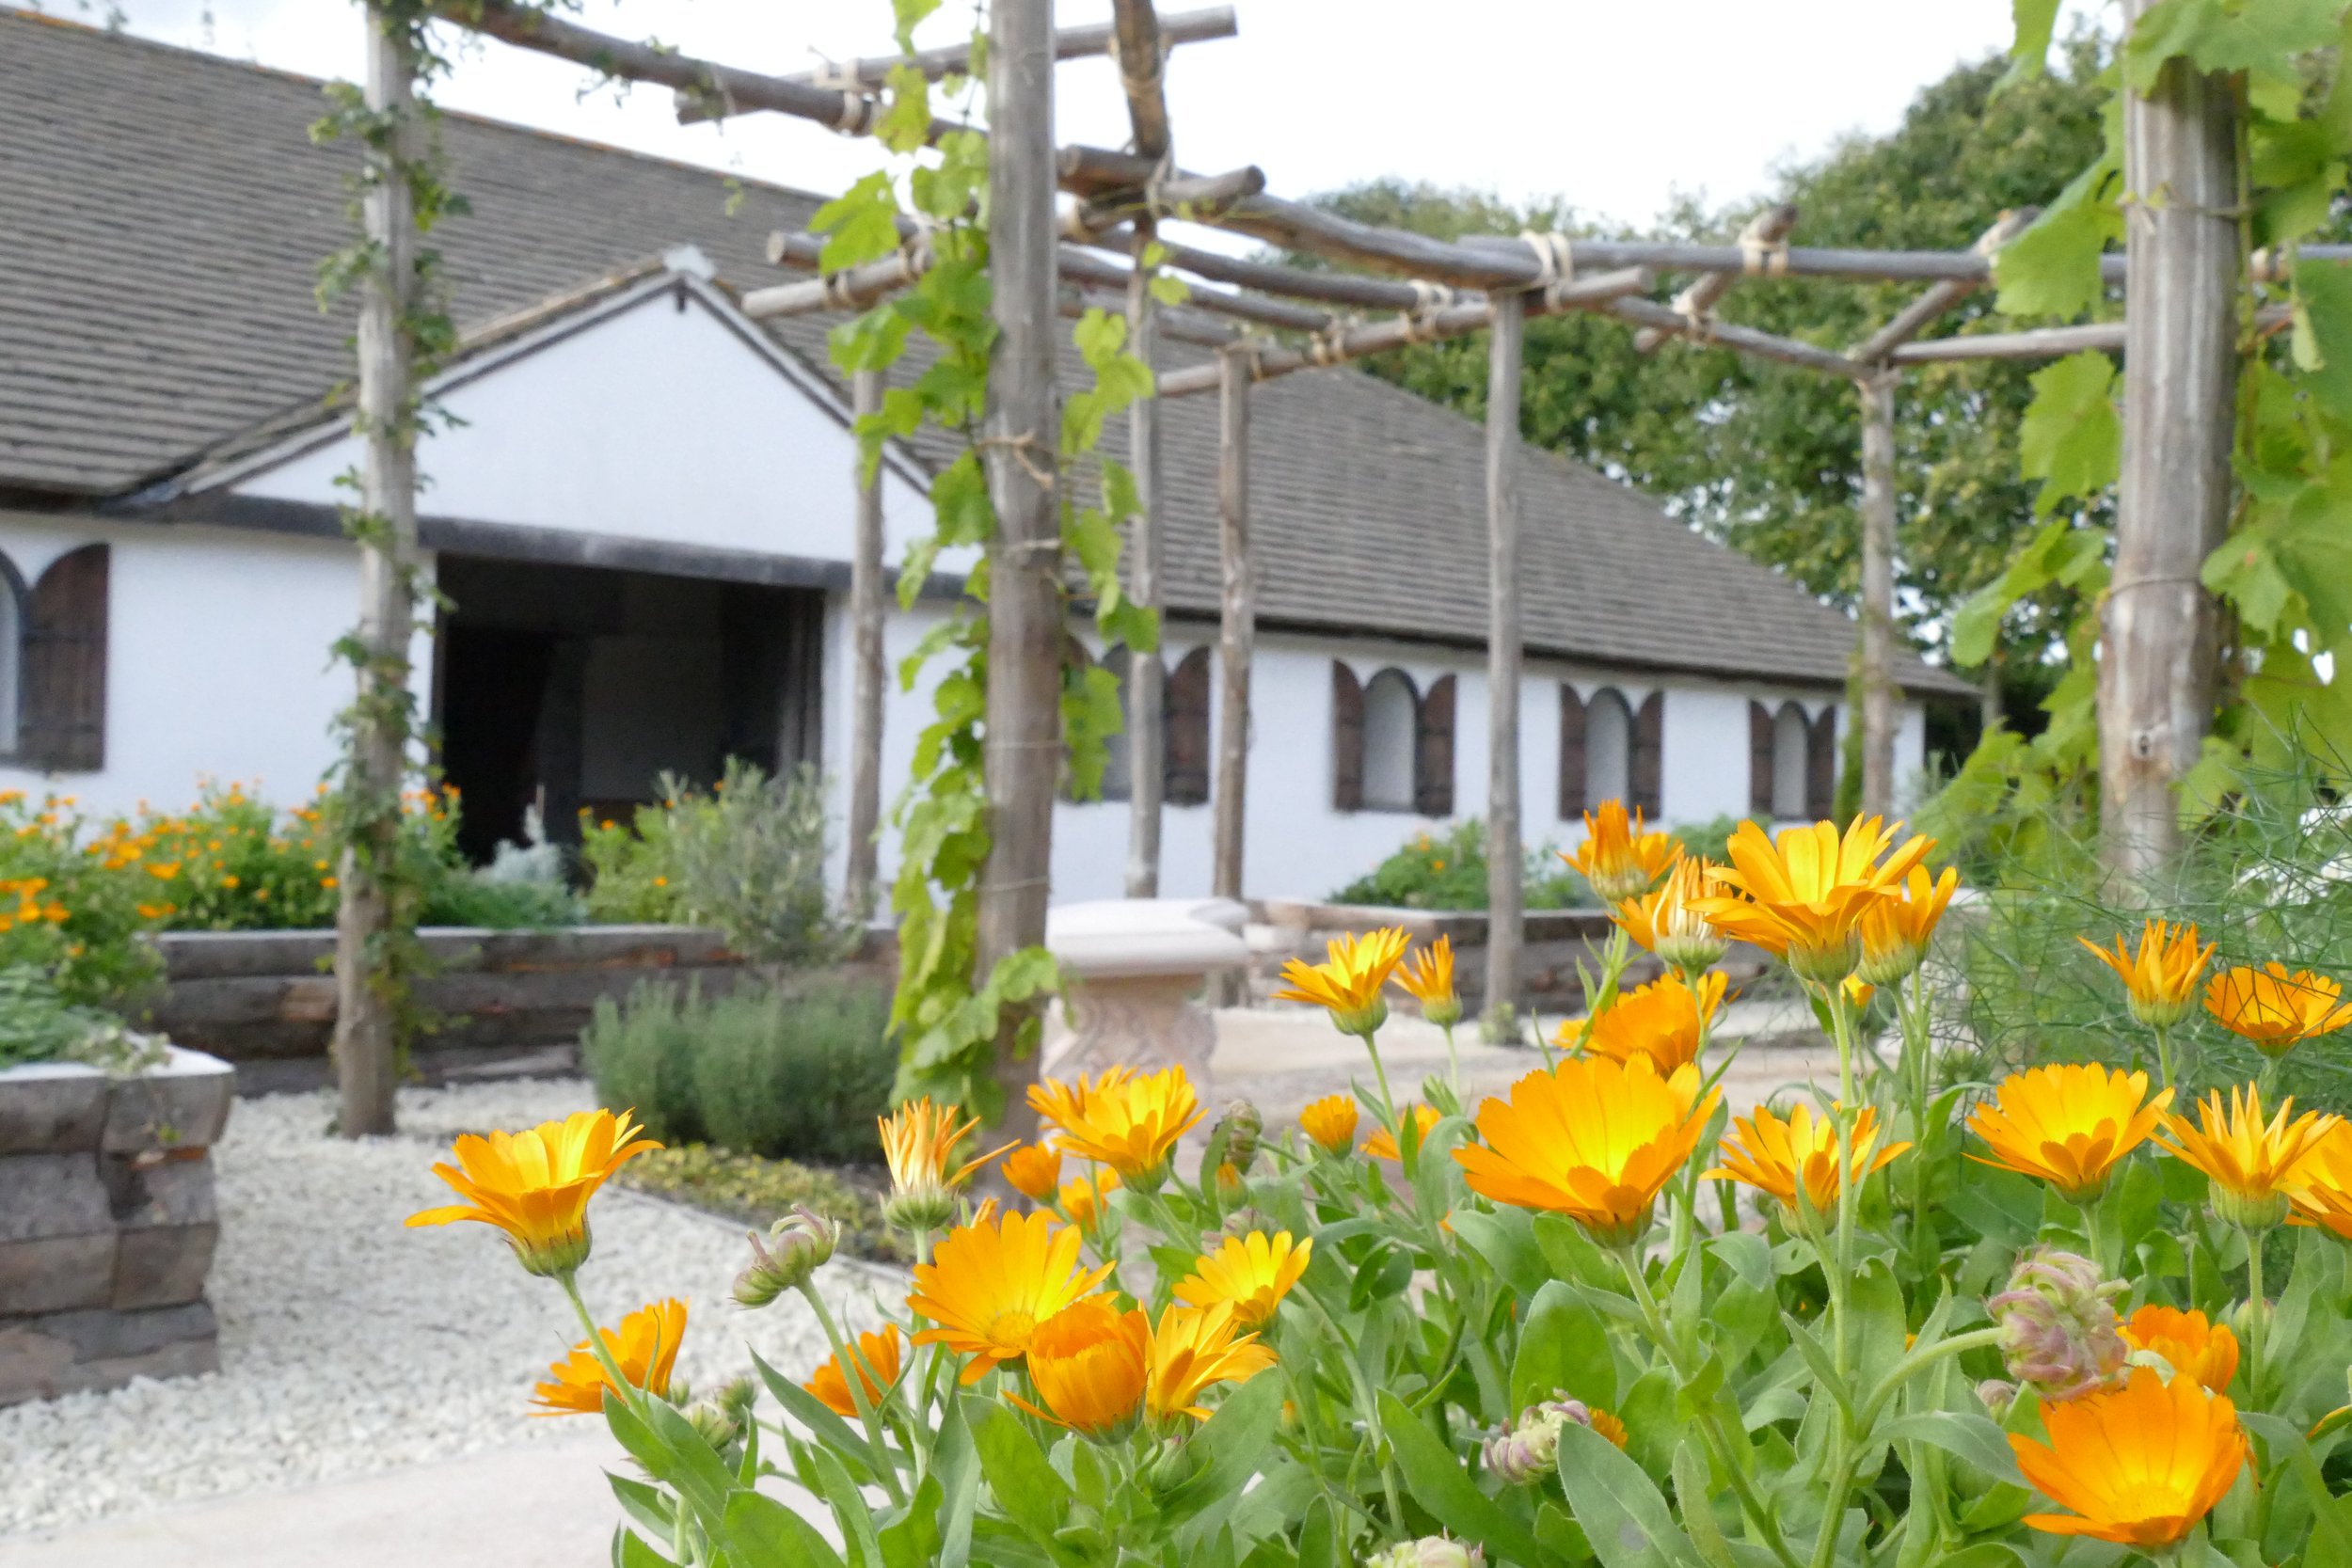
(107, 1224)
(1133, 971)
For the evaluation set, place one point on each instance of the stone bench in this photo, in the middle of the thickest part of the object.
(1132, 970)
(107, 1223)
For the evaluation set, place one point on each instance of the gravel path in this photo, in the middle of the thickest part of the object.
(351, 1344)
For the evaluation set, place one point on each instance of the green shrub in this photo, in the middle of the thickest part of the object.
(1447, 870)
(796, 1071)
(468, 898)
(1708, 840)
(629, 865)
(757, 1191)
(39, 1025)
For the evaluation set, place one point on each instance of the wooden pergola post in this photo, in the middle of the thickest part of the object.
(1878, 593)
(2183, 271)
(366, 1043)
(1023, 745)
(1146, 675)
(1506, 869)
(866, 665)
(1236, 624)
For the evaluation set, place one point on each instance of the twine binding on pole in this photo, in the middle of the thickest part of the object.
(1421, 322)
(1763, 258)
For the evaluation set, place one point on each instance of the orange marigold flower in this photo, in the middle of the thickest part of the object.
(1349, 981)
(1802, 896)
(2322, 1194)
(1895, 931)
(534, 1185)
(1034, 1170)
(2192, 1346)
(1619, 859)
(1662, 1021)
(1428, 977)
(1127, 1120)
(2140, 1465)
(2160, 975)
(1382, 1143)
(1663, 921)
(644, 1348)
(919, 1142)
(2254, 1164)
(1089, 1363)
(879, 1352)
(1593, 1138)
(1773, 1155)
(2273, 1010)
(1194, 1348)
(2068, 1124)
(1330, 1122)
(988, 1287)
(1081, 1198)
(1250, 1272)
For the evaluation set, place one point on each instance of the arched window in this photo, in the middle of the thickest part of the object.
(1791, 743)
(1392, 726)
(11, 655)
(1608, 748)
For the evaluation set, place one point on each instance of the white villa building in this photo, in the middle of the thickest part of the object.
(642, 517)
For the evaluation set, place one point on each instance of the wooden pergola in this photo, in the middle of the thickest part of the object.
(1264, 319)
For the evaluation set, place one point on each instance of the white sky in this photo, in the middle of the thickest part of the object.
(1615, 106)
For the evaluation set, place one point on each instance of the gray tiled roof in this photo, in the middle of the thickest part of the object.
(163, 214)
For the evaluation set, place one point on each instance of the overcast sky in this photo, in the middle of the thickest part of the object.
(1614, 106)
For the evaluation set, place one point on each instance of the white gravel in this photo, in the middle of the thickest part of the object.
(349, 1343)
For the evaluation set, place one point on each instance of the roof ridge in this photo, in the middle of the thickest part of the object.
(468, 117)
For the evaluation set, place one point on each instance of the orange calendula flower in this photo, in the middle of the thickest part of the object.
(2254, 1164)
(1662, 1021)
(1895, 931)
(1081, 1199)
(2069, 1125)
(990, 1286)
(1382, 1143)
(1034, 1170)
(1088, 1364)
(919, 1141)
(1593, 1138)
(1428, 978)
(1349, 981)
(2160, 975)
(2322, 1194)
(1126, 1120)
(1251, 1274)
(1330, 1122)
(879, 1352)
(1804, 893)
(2140, 1465)
(2192, 1346)
(534, 1185)
(1775, 1156)
(1194, 1348)
(2276, 1010)
(1664, 923)
(644, 1348)
(1617, 858)
(1609, 1426)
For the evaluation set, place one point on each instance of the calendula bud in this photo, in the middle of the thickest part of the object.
(1445, 1012)
(2242, 1318)
(2059, 1325)
(1997, 1396)
(1430, 1551)
(1826, 967)
(1244, 1128)
(1171, 1467)
(1229, 1182)
(796, 1247)
(2254, 1211)
(1361, 1021)
(925, 1206)
(722, 1419)
(1241, 1222)
(1531, 1450)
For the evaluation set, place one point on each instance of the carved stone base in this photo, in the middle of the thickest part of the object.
(1145, 1021)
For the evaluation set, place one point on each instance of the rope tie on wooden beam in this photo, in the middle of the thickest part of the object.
(1698, 322)
(1421, 322)
(1762, 258)
(1555, 258)
(857, 110)
(1146, 86)
(1326, 348)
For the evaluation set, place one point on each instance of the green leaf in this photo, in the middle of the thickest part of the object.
(2051, 269)
(2072, 438)
(1623, 1513)
(1973, 1437)
(812, 1412)
(1232, 1445)
(859, 225)
(1698, 1509)
(1564, 1346)
(2323, 332)
(2262, 39)
(649, 1505)
(1506, 1242)
(1439, 1483)
(849, 1509)
(1025, 1487)
(631, 1552)
(761, 1532)
(1818, 1360)
(2035, 20)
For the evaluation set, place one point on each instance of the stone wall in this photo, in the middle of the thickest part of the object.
(107, 1224)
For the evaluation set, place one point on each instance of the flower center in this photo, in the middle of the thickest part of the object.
(1012, 1330)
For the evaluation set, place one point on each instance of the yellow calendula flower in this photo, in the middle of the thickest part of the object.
(2160, 975)
(1081, 1199)
(988, 1287)
(1427, 976)
(1802, 896)
(1126, 1120)
(644, 1348)
(919, 1142)
(1594, 1139)
(2069, 1124)
(1619, 859)
(1663, 921)
(1776, 1155)
(1349, 981)
(2140, 1465)
(2276, 1010)
(1194, 1348)
(2254, 1164)
(534, 1185)
(1251, 1274)
(2322, 1194)
(2190, 1345)
(1660, 1020)
(1034, 1170)
(1330, 1122)
(879, 1352)
(1895, 931)
(1382, 1143)
(1089, 1363)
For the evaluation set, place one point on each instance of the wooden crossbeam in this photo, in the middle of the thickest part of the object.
(1747, 340)
(1193, 198)
(1914, 318)
(870, 76)
(1764, 233)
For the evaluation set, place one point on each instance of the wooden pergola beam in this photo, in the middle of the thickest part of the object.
(1195, 198)
(1766, 232)
(1746, 339)
(1915, 317)
(1138, 45)
(872, 76)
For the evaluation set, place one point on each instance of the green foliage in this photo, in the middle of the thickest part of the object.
(1447, 870)
(751, 1190)
(39, 1025)
(798, 1070)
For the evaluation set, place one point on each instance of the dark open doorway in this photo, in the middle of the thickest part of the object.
(575, 688)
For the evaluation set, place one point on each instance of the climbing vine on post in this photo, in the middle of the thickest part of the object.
(404, 331)
(946, 1012)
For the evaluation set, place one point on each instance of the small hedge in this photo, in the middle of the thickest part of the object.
(756, 1191)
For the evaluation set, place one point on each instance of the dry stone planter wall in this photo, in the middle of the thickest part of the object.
(107, 1224)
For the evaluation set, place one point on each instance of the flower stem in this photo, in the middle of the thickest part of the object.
(2257, 1316)
(855, 1373)
(1365, 1404)
(1388, 1104)
(1452, 1065)
(2164, 1054)
(631, 1394)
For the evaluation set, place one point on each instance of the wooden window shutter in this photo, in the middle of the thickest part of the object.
(1649, 762)
(1572, 801)
(1821, 764)
(64, 718)
(1433, 751)
(1760, 762)
(1186, 730)
(1347, 739)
